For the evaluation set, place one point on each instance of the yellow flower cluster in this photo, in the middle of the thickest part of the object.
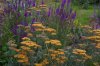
(29, 43)
(96, 63)
(86, 26)
(12, 45)
(22, 58)
(45, 62)
(29, 35)
(81, 52)
(40, 27)
(53, 42)
(57, 55)
(98, 46)
(87, 57)
(26, 39)
(37, 8)
(26, 46)
(50, 30)
(96, 38)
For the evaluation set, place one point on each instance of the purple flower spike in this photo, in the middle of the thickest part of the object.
(14, 7)
(97, 26)
(19, 1)
(68, 2)
(63, 15)
(18, 14)
(20, 33)
(73, 16)
(42, 2)
(70, 11)
(29, 2)
(14, 29)
(24, 23)
(49, 12)
(22, 5)
(57, 11)
(33, 20)
(63, 3)
(26, 14)
(34, 4)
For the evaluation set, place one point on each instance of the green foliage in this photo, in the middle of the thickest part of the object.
(70, 37)
(84, 3)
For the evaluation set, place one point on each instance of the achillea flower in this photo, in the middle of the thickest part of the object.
(87, 57)
(37, 64)
(57, 55)
(38, 29)
(53, 55)
(39, 25)
(27, 27)
(93, 37)
(97, 33)
(26, 39)
(25, 48)
(53, 42)
(98, 46)
(47, 42)
(23, 60)
(51, 30)
(13, 48)
(79, 51)
(29, 34)
(30, 44)
(97, 30)
(20, 56)
(86, 26)
(98, 41)
(53, 33)
(45, 62)
(61, 53)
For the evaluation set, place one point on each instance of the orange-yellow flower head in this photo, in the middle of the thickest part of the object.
(79, 51)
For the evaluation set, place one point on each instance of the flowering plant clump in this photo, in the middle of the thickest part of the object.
(46, 33)
(30, 47)
(27, 12)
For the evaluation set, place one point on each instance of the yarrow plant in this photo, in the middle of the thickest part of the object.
(49, 49)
